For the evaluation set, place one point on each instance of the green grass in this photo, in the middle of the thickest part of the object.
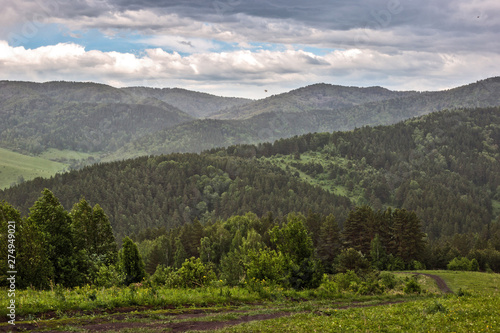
(307, 311)
(477, 312)
(452, 314)
(474, 282)
(65, 155)
(13, 165)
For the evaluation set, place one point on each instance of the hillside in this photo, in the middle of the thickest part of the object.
(196, 104)
(279, 122)
(445, 166)
(313, 97)
(100, 123)
(77, 116)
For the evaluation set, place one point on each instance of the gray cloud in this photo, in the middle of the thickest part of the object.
(402, 44)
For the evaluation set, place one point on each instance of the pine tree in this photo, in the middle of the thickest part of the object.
(180, 253)
(49, 217)
(132, 264)
(93, 233)
(329, 244)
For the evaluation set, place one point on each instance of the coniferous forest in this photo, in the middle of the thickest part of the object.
(423, 193)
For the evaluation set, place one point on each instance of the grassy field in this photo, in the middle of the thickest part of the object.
(13, 165)
(474, 307)
(65, 155)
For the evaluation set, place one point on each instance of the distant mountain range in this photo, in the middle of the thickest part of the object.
(120, 123)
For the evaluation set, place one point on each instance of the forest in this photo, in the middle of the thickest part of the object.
(286, 212)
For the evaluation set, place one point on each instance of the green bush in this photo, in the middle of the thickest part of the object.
(474, 265)
(266, 265)
(347, 281)
(108, 276)
(459, 264)
(328, 285)
(193, 273)
(370, 287)
(412, 287)
(388, 280)
(352, 260)
(165, 276)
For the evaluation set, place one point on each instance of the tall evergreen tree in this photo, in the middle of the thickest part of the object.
(49, 217)
(93, 233)
(408, 240)
(133, 266)
(329, 243)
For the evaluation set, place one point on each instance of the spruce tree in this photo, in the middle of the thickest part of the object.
(132, 264)
(329, 244)
(54, 223)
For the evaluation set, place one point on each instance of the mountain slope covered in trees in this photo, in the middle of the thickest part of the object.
(196, 104)
(314, 97)
(444, 166)
(293, 114)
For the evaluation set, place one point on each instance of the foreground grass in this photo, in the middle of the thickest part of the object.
(450, 314)
(141, 308)
(13, 165)
(477, 311)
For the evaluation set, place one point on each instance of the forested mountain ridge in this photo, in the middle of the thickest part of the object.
(332, 97)
(78, 116)
(279, 122)
(91, 117)
(445, 166)
(312, 97)
(196, 104)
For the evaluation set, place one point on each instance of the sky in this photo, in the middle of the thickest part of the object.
(251, 48)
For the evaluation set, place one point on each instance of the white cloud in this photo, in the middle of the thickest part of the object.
(246, 72)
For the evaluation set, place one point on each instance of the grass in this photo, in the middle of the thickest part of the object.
(474, 282)
(303, 311)
(65, 155)
(13, 165)
(477, 312)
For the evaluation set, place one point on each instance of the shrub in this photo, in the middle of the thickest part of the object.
(194, 273)
(329, 285)
(347, 280)
(459, 264)
(352, 260)
(474, 265)
(165, 276)
(370, 287)
(108, 276)
(388, 280)
(266, 265)
(412, 287)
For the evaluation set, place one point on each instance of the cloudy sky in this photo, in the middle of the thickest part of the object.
(245, 47)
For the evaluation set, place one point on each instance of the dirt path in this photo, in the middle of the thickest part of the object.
(443, 287)
(440, 283)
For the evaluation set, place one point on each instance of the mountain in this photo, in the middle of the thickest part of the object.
(313, 97)
(283, 123)
(445, 166)
(85, 117)
(196, 104)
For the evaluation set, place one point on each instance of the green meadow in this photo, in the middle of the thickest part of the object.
(14, 165)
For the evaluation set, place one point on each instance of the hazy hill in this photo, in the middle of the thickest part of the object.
(196, 104)
(78, 116)
(317, 96)
(269, 126)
